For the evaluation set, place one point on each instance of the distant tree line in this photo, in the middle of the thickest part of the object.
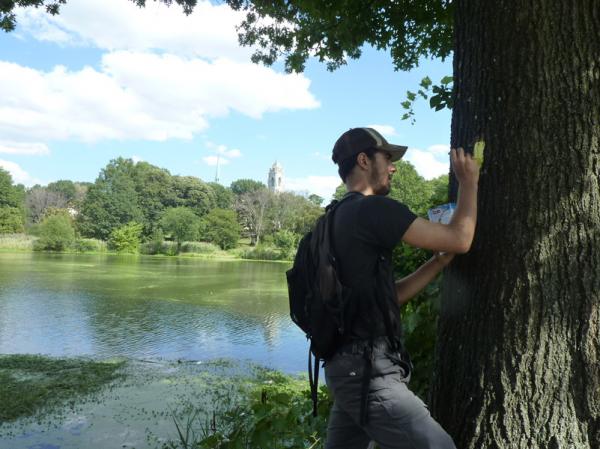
(138, 206)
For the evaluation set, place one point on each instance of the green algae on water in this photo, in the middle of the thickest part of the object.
(30, 384)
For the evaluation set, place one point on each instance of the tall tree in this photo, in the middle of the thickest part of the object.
(156, 193)
(194, 193)
(517, 365)
(39, 199)
(112, 201)
(12, 215)
(252, 208)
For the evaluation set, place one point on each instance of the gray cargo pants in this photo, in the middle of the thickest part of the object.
(397, 418)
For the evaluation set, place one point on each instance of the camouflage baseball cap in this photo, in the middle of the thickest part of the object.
(357, 140)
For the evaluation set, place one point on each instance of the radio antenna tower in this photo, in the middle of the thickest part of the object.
(217, 172)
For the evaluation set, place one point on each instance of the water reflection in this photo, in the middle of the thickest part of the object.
(147, 307)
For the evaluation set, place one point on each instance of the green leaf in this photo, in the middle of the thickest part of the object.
(447, 80)
(411, 95)
(425, 82)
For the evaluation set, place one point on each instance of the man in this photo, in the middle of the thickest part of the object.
(368, 375)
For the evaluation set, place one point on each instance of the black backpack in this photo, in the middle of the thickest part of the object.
(319, 303)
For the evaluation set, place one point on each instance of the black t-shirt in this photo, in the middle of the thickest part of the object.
(365, 228)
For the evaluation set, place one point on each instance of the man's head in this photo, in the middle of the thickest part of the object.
(365, 157)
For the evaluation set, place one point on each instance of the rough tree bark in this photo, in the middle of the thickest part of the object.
(518, 356)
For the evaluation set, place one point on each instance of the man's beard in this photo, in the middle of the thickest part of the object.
(378, 187)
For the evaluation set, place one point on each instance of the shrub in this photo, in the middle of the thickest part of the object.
(169, 248)
(199, 247)
(263, 252)
(126, 239)
(286, 240)
(56, 233)
(221, 227)
(88, 245)
(273, 412)
(155, 244)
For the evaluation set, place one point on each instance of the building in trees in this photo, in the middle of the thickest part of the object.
(276, 178)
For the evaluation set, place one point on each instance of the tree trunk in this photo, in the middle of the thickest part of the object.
(518, 355)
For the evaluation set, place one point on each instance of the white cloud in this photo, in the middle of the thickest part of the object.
(19, 175)
(209, 32)
(224, 154)
(322, 157)
(426, 163)
(386, 130)
(441, 150)
(324, 186)
(136, 159)
(24, 148)
(232, 154)
(140, 96)
(214, 160)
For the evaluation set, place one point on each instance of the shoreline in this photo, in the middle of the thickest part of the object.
(137, 407)
(216, 258)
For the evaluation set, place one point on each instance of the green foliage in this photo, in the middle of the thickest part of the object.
(419, 320)
(88, 245)
(10, 195)
(286, 241)
(224, 196)
(180, 223)
(264, 252)
(412, 189)
(293, 213)
(340, 192)
(316, 199)
(440, 96)
(154, 245)
(155, 192)
(303, 28)
(221, 227)
(199, 248)
(275, 413)
(56, 232)
(11, 220)
(126, 239)
(242, 186)
(8, 18)
(65, 188)
(112, 201)
(194, 194)
(17, 241)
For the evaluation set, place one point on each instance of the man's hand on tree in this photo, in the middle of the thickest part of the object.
(466, 169)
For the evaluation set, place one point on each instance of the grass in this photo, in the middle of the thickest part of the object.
(30, 384)
(21, 242)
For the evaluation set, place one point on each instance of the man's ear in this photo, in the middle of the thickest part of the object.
(362, 160)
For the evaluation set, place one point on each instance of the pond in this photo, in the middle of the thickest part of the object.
(144, 307)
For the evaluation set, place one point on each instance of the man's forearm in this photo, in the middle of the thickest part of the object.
(409, 286)
(465, 216)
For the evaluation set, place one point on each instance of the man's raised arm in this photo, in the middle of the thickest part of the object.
(456, 236)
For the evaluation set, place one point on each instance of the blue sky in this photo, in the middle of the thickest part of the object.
(105, 79)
